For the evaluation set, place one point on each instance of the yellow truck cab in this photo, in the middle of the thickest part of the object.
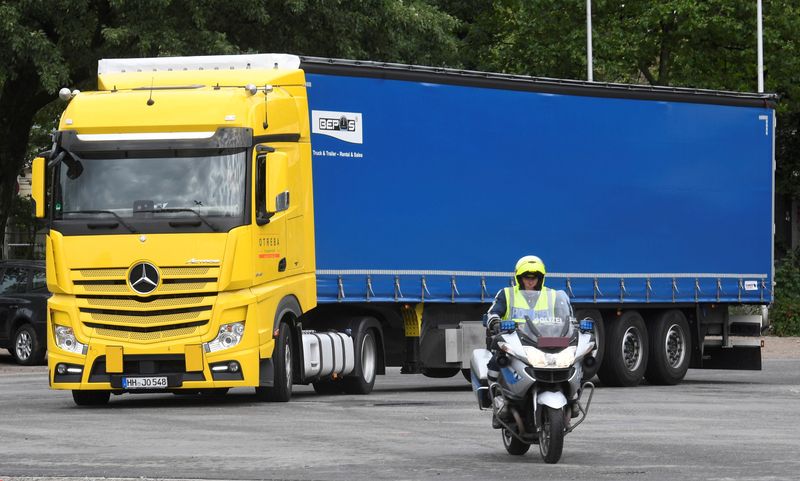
(180, 250)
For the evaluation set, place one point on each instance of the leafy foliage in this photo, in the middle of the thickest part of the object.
(785, 313)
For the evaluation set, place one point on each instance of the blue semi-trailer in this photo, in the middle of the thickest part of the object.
(652, 208)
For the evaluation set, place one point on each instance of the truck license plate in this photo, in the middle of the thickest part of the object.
(144, 382)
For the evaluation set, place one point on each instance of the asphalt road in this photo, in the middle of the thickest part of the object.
(717, 425)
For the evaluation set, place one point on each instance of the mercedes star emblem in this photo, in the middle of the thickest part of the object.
(143, 278)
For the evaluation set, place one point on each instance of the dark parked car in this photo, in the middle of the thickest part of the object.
(23, 310)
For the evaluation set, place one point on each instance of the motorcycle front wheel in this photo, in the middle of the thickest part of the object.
(551, 437)
(513, 445)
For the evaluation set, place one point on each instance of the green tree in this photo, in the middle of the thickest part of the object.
(49, 44)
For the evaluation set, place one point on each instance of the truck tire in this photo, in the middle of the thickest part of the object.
(328, 387)
(670, 348)
(91, 398)
(440, 372)
(282, 361)
(625, 357)
(366, 367)
(599, 335)
(26, 347)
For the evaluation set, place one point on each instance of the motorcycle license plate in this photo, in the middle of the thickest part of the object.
(159, 382)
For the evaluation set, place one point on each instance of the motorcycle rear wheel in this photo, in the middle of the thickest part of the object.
(551, 437)
(513, 445)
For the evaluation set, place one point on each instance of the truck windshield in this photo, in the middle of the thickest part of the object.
(207, 187)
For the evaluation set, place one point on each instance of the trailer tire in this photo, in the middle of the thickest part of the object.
(599, 335)
(91, 398)
(366, 367)
(625, 357)
(440, 372)
(670, 348)
(282, 361)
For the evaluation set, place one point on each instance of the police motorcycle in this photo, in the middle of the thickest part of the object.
(537, 397)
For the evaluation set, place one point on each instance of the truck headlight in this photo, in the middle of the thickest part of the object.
(65, 339)
(228, 336)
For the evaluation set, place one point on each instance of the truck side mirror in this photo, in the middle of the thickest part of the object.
(277, 182)
(37, 186)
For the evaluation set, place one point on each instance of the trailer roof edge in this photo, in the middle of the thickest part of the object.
(395, 71)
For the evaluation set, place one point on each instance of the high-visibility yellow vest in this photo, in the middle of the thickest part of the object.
(517, 307)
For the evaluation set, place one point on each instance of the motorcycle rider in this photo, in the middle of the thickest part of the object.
(528, 297)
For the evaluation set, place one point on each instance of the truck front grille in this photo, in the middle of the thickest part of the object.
(174, 280)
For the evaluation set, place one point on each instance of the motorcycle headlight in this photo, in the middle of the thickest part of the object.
(566, 357)
(65, 339)
(228, 336)
(536, 358)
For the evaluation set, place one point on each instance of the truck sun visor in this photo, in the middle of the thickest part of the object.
(223, 138)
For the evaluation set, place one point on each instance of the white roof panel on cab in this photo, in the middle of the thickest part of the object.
(206, 62)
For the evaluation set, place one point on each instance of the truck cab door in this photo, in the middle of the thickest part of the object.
(271, 202)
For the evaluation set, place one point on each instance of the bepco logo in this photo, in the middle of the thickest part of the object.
(342, 123)
(346, 126)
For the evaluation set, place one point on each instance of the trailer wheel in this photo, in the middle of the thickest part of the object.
(366, 368)
(599, 336)
(625, 357)
(281, 390)
(91, 398)
(670, 348)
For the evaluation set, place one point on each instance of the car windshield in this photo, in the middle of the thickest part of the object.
(209, 185)
(552, 321)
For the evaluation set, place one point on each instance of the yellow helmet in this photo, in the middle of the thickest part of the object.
(532, 265)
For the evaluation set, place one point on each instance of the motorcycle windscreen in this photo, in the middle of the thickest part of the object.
(554, 320)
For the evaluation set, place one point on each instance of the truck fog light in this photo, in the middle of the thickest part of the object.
(228, 336)
(65, 339)
(233, 366)
(61, 369)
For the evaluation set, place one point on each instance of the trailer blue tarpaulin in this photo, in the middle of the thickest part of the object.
(431, 191)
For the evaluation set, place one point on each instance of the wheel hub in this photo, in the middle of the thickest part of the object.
(24, 346)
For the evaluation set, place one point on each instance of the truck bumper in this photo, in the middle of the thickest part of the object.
(185, 367)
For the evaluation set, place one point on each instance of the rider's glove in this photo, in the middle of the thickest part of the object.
(493, 324)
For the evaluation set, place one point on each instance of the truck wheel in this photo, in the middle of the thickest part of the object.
(366, 353)
(281, 390)
(91, 398)
(440, 372)
(328, 387)
(551, 437)
(625, 357)
(26, 347)
(513, 445)
(599, 336)
(670, 348)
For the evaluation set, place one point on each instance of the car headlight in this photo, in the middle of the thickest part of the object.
(65, 339)
(228, 336)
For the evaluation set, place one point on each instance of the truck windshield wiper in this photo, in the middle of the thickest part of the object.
(131, 229)
(186, 209)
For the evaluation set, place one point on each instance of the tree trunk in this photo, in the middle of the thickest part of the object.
(20, 99)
